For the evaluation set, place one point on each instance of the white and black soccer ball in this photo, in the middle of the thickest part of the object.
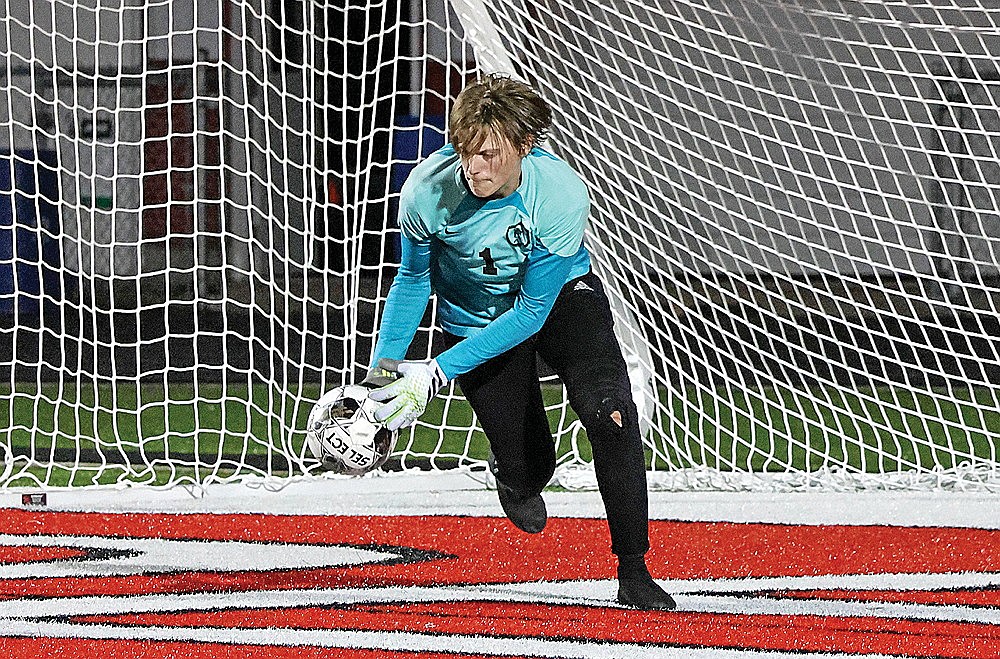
(343, 434)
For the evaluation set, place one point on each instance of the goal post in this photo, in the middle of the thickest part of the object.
(795, 208)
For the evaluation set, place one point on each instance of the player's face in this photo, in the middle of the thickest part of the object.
(493, 171)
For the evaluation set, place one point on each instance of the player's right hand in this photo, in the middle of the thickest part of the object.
(381, 374)
(406, 398)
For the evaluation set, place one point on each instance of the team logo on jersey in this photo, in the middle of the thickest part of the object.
(519, 236)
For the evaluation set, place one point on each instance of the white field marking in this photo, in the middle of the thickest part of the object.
(719, 596)
(168, 602)
(752, 605)
(699, 596)
(460, 492)
(158, 555)
(398, 641)
(752, 585)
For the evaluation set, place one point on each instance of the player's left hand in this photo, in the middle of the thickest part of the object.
(406, 398)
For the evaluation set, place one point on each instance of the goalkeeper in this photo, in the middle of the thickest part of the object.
(494, 224)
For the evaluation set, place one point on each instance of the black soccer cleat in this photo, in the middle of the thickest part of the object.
(527, 513)
(639, 591)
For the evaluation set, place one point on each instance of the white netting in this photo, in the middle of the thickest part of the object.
(796, 203)
(799, 201)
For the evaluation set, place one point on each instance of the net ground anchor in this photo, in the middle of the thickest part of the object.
(34, 499)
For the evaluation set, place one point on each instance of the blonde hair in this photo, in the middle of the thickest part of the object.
(499, 105)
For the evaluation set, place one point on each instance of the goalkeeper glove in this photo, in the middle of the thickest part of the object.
(406, 398)
(379, 376)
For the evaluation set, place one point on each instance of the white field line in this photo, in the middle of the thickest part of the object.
(731, 596)
(400, 641)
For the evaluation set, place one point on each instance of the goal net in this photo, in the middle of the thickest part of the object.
(796, 207)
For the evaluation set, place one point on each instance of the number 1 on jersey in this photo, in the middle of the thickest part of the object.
(489, 268)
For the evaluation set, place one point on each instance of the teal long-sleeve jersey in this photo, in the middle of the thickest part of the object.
(496, 265)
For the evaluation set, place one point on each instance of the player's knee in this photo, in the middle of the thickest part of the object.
(613, 415)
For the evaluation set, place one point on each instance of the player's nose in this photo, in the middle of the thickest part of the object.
(474, 165)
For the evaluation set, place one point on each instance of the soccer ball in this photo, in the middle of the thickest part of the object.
(342, 432)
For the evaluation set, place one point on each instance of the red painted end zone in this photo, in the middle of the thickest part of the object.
(69, 648)
(474, 551)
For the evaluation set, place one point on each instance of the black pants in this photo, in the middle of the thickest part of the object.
(578, 342)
